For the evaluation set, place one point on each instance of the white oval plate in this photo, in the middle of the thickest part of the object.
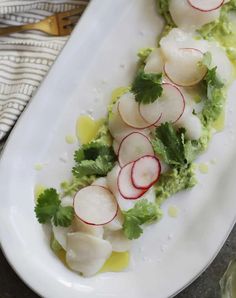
(100, 56)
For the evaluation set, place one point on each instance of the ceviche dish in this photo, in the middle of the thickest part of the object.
(143, 151)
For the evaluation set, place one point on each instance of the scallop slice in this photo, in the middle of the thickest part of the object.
(117, 223)
(100, 182)
(176, 39)
(60, 234)
(220, 59)
(116, 146)
(188, 18)
(192, 125)
(80, 226)
(118, 240)
(86, 254)
(155, 62)
(191, 71)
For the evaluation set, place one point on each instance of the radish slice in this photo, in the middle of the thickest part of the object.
(145, 172)
(134, 146)
(170, 106)
(206, 6)
(125, 185)
(95, 205)
(129, 112)
(185, 70)
(118, 128)
(188, 18)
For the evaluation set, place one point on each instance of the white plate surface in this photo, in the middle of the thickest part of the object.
(100, 56)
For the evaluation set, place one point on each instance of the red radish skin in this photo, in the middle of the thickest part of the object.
(201, 5)
(138, 123)
(192, 83)
(142, 162)
(125, 185)
(90, 222)
(163, 108)
(128, 152)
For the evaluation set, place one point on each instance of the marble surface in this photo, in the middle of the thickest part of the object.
(206, 286)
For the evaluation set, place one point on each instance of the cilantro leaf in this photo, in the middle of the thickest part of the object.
(47, 205)
(93, 159)
(143, 212)
(91, 151)
(214, 103)
(99, 167)
(172, 145)
(49, 208)
(147, 87)
(63, 216)
(131, 226)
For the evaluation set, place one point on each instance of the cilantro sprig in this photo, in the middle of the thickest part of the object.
(215, 91)
(147, 87)
(49, 208)
(143, 212)
(93, 159)
(173, 146)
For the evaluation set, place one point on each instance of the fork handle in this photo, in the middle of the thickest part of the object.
(47, 25)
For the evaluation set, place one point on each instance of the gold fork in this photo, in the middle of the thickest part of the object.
(59, 24)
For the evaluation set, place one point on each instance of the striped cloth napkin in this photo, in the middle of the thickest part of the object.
(25, 58)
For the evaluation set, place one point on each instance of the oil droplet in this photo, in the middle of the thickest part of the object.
(219, 124)
(87, 128)
(61, 254)
(173, 211)
(118, 261)
(117, 93)
(203, 168)
(70, 139)
(197, 98)
(38, 166)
